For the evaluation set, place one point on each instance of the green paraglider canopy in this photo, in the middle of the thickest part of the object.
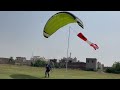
(59, 20)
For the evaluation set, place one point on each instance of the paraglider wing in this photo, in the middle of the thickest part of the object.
(59, 20)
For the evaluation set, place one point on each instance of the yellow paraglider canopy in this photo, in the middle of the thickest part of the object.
(59, 20)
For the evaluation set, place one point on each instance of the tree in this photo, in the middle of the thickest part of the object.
(38, 63)
(11, 60)
(115, 68)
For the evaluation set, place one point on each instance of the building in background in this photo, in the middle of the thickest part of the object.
(69, 59)
(35, 58)
(20, 60)
(4, 60)
(91, 64)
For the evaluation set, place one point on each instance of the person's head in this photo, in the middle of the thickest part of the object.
(46, 65)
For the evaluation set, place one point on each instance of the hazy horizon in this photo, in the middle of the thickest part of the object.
(22, 35)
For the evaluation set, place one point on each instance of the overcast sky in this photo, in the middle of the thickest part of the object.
(21, 34)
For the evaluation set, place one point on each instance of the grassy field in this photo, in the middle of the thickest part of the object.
(26, 72)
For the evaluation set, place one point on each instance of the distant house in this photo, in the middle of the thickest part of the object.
(91, 64)
(23, 61)
(77, 65)
(100, 66)
(69, 59)
(72, 63)
(35, 58)
(27, 62)
(4, 60)
(20, 60)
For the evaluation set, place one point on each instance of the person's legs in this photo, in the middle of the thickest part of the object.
(45, 74)
(48, 74)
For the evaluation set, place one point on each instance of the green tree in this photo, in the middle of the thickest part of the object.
(11, 60)
(115, 68)
(38, 63)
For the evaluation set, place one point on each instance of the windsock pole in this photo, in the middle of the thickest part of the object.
(68, 50)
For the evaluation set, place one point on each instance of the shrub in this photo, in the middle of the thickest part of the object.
(109, 70)
(114, 69)
(38, 63)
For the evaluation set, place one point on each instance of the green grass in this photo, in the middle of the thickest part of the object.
(27, 72)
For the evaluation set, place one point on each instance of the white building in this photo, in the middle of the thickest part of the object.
(100, 66)
(20, 60)
(35, 58)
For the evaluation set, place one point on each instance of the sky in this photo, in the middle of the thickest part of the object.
(21, 34)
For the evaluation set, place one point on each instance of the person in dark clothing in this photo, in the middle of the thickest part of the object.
(48, 68)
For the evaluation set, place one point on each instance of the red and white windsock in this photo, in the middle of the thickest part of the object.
(80, 35)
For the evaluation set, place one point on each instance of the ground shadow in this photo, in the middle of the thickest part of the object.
(23, 76)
